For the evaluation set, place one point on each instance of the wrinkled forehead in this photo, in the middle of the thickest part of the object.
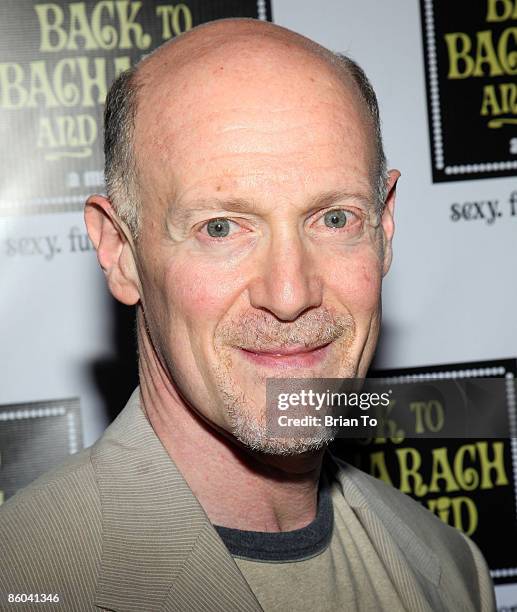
(193, 96)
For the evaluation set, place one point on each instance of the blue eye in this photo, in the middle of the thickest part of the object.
(218, 228)
(335, 218)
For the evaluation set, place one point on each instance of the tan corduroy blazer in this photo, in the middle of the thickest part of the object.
(117, 528)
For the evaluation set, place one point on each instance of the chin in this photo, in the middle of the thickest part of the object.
(254, 436)
(283, 447)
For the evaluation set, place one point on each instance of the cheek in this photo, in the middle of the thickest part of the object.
(186, 299)
(200, 292)
(356, 281)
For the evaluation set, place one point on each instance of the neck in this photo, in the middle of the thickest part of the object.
(236, 487)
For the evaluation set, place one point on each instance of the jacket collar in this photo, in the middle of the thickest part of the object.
(387, 521)
(368, 495)
(159, 550)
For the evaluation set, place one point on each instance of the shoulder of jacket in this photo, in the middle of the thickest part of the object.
(51, 532)
(415, 527)
(51, 535)
(412, 513)
(398, 509)
(75, 469)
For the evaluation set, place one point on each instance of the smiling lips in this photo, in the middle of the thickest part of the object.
(287, 357)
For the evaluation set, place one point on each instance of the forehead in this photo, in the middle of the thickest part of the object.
(249, 112)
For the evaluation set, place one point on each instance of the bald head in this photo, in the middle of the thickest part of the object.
(252, 64)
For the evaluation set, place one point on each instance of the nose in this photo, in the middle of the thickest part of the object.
(287, 281)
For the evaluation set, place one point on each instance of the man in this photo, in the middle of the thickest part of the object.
(250, 218)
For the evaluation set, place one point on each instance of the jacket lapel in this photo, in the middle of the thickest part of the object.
(414, 568)
(159, 550)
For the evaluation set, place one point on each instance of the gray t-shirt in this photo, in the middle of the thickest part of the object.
(328, 565)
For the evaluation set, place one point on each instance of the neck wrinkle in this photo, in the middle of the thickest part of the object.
(236, 487)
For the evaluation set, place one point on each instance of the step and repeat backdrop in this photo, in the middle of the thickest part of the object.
(446, 78)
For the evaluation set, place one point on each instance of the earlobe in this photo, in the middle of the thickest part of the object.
(388, 224)
(114, 251)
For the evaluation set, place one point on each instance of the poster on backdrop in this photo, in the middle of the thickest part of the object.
(58, 60)
(35, 437)
(470, 67)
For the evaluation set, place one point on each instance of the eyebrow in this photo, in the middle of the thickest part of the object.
(330, 198)
(183, 215)
(324, 200)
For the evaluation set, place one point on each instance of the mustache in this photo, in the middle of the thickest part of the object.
(258, 330)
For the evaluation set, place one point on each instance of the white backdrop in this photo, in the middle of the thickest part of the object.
(449, 297)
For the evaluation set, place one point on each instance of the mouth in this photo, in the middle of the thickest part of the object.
(287, 357)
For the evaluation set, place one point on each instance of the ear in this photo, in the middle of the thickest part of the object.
(388, 224)
(114, 251)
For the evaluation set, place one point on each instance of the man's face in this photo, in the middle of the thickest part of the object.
(258, 257)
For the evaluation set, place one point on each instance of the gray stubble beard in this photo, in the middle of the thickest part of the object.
(250, 428)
